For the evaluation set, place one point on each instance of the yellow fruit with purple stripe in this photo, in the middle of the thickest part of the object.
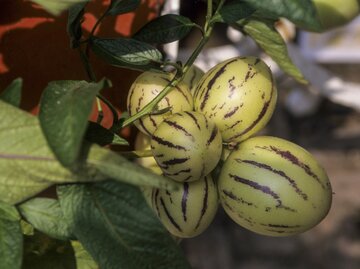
(239, 95)
(187, 146)
(274, 187)
(188, 211)
(145, 88)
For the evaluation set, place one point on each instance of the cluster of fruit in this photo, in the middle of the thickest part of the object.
(265, 184)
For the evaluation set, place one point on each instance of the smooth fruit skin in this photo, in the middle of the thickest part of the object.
(239, 95)
(145, 88)
(192, 77)
(187, 146)
(335, 13)
(274, 187)
(142, 142)
(188, 211)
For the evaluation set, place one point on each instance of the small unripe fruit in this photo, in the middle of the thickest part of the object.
(239, 95)
(145, 88)
(274, 187)
(192, 77)
(188, 211)
(187, 146)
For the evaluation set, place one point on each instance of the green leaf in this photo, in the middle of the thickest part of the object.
(65, 107)
(45, 215)
(115, 166)
(12, 94)
(56, 7)
(300, 12)
(75, 17)
(118, 229)
(99, 135)
(165, 29)
(28, 166)
(26, 228)
(11, 238)
(83, 258)
(43, 252)
(267, 37)
(122, 6)
(128, 53)
(234, 11)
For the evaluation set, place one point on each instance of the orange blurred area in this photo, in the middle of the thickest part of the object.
(34, 45)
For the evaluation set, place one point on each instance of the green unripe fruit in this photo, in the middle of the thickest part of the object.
(335, 13)
(187, 146)
(188, 211)
(239, 95)
(145, 88)
(192, 77)
(274, 187)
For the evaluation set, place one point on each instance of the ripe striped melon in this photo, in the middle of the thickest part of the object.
(187, 146)
(274, 187)
(188, 211)
(239, 95)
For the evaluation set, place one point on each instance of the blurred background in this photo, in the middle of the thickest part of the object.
(323, 117)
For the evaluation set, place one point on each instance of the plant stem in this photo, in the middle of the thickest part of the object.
(100, 111)
(88, 68)
(111, 107)
(150, 106)
(136, 154)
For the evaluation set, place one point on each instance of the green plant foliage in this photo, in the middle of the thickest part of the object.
(165, 29)
(43, 252)
(83, 258)
(11, 239)
(12, 93)
(300, 12)
(267, 37)
(122, 6)
(28, 166)
(127, 53)
(76, 13)
(116, 226)
(56, 7)
(99, 135)
(234, 11)
(45, 215)
(65, 107)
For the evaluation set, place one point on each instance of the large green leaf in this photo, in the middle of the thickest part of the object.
(267, 37)
(76, 13)
(43, 252)
(11, 239)
(234, 11)
(83, 258)
(28, 166)
(46, 216)
(55, 7)
(116, 226)
(300, 12)
(12, 93)
(122, 6)
(128, 53)
(165, 29)
(65, 107)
